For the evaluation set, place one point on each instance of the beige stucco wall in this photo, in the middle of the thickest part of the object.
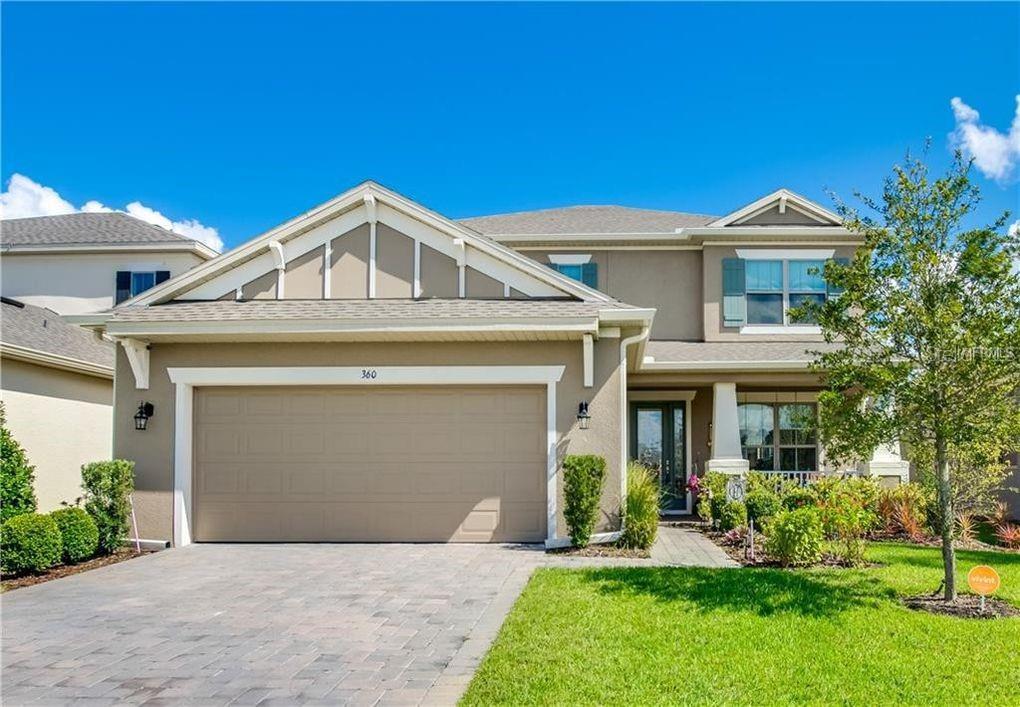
(302, 278)
(394, 276)
(75, 283)
(712, 294)
(152, 450)
(439, 274)
(62, 420)
(668, 280)
(772, 217)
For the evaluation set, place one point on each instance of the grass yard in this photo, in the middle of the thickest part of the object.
(687, 635)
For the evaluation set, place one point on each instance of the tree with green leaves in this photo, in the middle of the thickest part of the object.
(17, 476)
(929, 322)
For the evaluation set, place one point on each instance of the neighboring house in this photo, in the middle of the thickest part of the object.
(86, 262)
(374, 371)
(56, 384)
(56, 379)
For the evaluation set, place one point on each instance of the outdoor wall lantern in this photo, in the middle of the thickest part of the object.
(583, 418)
(145, 411)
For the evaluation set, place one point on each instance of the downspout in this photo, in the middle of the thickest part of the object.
(624, 345)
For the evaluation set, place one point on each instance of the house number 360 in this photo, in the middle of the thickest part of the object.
(369, 373)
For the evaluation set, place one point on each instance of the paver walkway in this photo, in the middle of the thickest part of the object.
(273, 624)
(689, 548)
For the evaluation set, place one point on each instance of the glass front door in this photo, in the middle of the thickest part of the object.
(659, 441)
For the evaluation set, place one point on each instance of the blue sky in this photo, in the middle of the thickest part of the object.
(241, 116)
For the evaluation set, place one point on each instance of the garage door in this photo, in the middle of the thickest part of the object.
(461, 464)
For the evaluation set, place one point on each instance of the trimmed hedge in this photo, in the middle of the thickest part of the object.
(78, 532)
(640, 510)
(17, 492)
(108, 486)
(762, 505)
(30, 543)
(583, 477)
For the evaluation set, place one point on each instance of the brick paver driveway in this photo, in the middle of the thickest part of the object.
(263, 624)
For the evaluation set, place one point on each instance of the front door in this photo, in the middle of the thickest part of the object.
(659, 441)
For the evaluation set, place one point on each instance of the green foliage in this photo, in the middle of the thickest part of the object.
(108, 486)
(704, 507)
(583, 477)
(847, 523)
(640, 510)
(903, 510)
(762, 504)
(795, 537)
(714, 485)
(860, 490)
(29, 542)
(929, 329)
(78, 532)
(733, 515)
(799, 497)
(17, 494)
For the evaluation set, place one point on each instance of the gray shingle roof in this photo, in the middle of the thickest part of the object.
(378, 309)
(734, 352)
(43, 330)
(112, 228)
(586, 219)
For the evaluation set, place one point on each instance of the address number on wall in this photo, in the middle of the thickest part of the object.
(369, 373)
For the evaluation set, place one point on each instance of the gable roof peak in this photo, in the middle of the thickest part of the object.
(784, 198)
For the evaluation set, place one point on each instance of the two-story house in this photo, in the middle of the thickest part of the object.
(56, 380)
(371, 370)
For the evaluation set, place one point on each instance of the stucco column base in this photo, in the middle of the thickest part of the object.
(899, 470)
(734, 467)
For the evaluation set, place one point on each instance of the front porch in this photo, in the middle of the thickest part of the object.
(735, 428)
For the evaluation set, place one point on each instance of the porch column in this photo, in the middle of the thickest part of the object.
(886, 465)
(726, 455)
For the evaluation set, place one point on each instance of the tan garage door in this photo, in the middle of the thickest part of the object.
(423, 463)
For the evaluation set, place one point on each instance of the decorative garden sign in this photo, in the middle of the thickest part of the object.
(983, 580)
(736, 487)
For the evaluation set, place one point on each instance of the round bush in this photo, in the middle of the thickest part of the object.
(732, 515)
(762, 504)
(78, 532)
(795, 537)
(29, 543)
(799, 498)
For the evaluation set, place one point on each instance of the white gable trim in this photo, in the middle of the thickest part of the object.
(786, 199)
(388, 206)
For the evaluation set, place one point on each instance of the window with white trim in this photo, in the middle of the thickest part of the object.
(576, 267)
(794, 448)
(131, 283)
(765, 292)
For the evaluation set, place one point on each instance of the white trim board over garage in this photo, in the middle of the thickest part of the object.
(186, 379)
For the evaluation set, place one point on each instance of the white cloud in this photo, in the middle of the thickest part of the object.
(995, 153)
(25, 197)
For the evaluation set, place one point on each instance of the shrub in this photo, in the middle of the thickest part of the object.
(847, 523)
(799, 497)
(735, 536)
(1009, 535)
(583, 476)
(795, 537)
(903, 509)
(29, 542)
(704, 507)
(714, 483)
(761, 505)
(733, 515)
(17, 494)
(641, 508)
(108, 486)
(78, 533)
(966, 527)
(862, 491)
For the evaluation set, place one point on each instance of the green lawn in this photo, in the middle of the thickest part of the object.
(676, 635)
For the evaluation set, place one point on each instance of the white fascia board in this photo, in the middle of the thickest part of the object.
(743, 232)
(575, 325)
(785, 253)
(553, 238)
(52, 360)
(363, 375)
(651, 364)
(88, 321)
(642, 316)
(796, 201)
(188, 246)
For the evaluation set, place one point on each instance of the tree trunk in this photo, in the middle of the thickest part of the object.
(948, 517)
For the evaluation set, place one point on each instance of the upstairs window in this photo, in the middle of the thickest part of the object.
(132, 283)
(763, 292)
(576, 267)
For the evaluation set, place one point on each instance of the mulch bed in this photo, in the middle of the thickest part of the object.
(736, 553)
(9, 582)
(966, 606)
(601, 551)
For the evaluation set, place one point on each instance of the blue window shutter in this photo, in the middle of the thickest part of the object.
(590, 275)
(123, 286)
(734, 299)
(162, 276)
(836, 290)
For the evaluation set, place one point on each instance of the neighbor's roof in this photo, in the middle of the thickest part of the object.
(87, 229)
(694, 355)
(361, 309)
(26, 330)
(584, 220)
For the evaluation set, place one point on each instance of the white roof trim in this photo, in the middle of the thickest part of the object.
(649, 363)
(199, 249)
(52, 360)
(354, 198)
(785, 197)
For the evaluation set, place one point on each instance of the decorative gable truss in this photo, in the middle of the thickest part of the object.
(780, 208)
(369, 243)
